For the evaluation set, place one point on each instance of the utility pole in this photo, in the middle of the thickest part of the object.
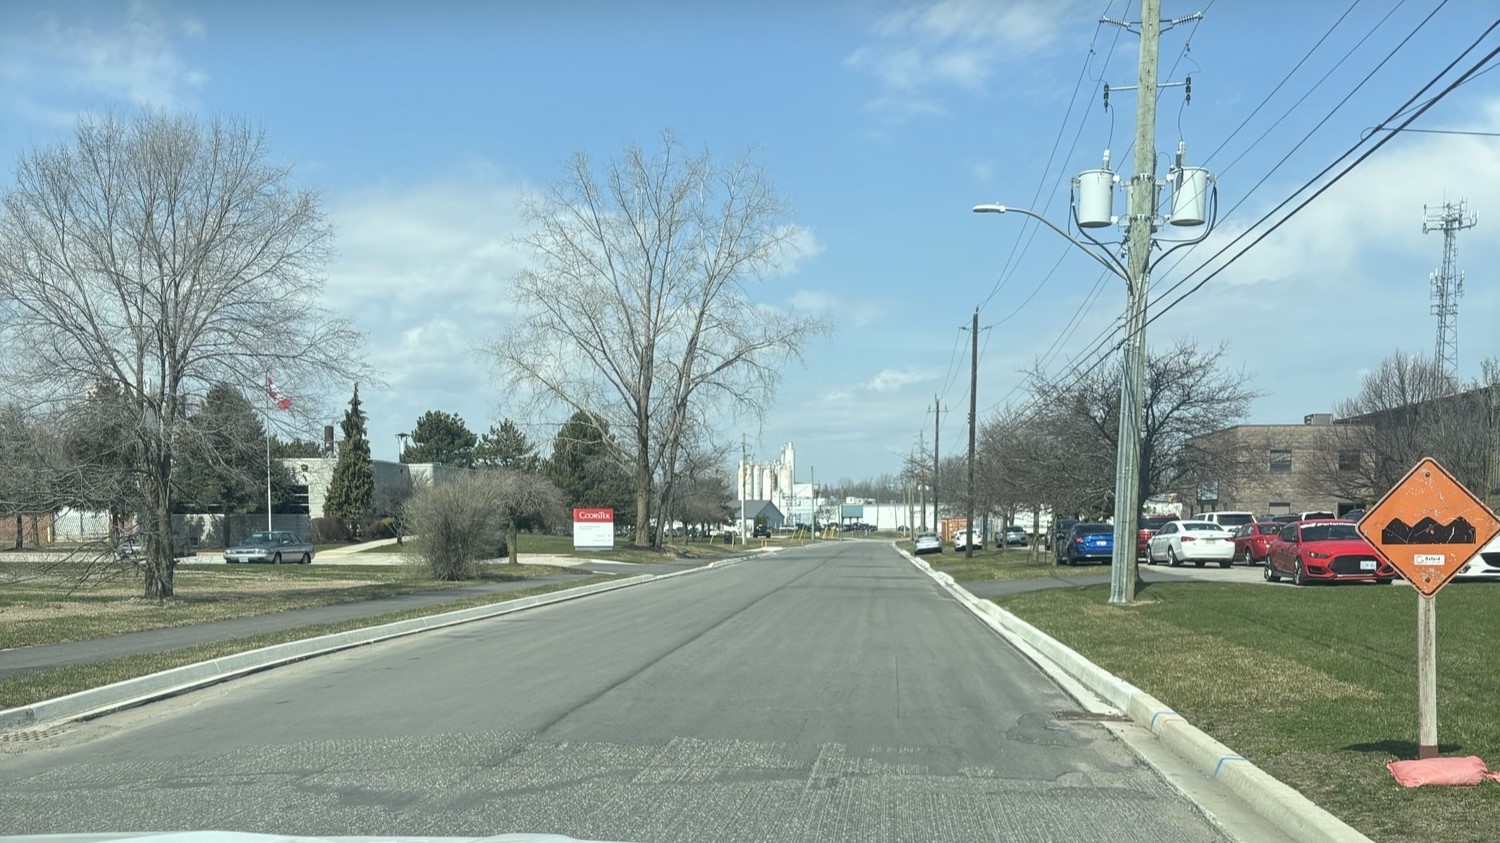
(937, 432)
(744, 466)
(812, 475)
(921, 461)
(1142, 222)
(1448, 281)
(973, 409)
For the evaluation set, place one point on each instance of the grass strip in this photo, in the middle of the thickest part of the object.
(58, 602)
(1014, 563)
(44, 685)
(1317, 686)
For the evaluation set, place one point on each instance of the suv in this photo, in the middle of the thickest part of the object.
(761, 531)
(1228, 520)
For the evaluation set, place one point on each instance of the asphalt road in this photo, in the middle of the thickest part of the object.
(828, 694)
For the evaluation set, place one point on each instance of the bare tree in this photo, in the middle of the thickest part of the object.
(1187, 393)
(518, 496)
(638, 310)
(161, 255)
(1406, 409)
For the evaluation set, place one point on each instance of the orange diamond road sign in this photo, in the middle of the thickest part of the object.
(1428, 525)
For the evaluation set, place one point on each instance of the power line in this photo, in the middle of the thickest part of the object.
(1319, 192)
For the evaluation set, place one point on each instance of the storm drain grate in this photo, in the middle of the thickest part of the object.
(31, 735)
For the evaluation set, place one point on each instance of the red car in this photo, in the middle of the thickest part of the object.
(1146, 528)
(1253, 541)
(1324, 551)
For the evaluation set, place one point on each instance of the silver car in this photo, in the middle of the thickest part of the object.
(270, 546)
(927, 543)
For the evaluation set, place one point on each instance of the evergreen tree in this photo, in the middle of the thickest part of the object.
(351, 493)
(441, 437)
(506, 446)
(223, 464)
(585, 467)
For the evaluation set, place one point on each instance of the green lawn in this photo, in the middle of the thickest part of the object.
(1016, 563)
(1317, 685)
(70, 601)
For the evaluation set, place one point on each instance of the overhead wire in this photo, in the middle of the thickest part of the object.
(1076, 375)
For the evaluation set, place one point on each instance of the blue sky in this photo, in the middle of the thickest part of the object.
(881, 123)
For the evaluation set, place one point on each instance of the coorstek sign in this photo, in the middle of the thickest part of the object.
(593, 528)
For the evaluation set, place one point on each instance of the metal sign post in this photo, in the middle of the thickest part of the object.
(1428, 526)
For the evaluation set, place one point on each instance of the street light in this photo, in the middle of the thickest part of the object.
(1190, 197)
(401, 449)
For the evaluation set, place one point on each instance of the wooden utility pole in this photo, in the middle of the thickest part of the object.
(973, 409)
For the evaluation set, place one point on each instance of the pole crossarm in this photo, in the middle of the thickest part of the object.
(1111, 263)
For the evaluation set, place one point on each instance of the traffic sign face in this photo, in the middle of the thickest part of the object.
(1428, 525)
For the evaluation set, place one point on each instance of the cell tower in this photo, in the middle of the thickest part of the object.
(1448, 281)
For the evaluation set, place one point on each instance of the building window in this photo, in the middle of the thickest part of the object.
(1281, 461)
(1348, 460)
(1281, 508)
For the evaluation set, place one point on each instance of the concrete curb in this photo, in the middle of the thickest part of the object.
(129, 693)
(1290, 811)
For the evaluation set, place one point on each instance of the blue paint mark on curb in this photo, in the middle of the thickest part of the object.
(1220, 765)
(1152, 727)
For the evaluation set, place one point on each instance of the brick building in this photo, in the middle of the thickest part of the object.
(1268, 469)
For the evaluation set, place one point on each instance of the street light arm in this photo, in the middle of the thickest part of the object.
(1112, 266)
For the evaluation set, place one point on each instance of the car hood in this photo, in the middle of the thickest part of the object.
(1337, 547)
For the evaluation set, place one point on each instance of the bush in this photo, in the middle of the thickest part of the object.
(371, 529)
(457, 525)
(329, 531)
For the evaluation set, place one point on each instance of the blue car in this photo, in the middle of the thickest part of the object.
(1089, 542)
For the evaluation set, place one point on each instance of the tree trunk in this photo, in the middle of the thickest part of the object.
(161, 562)
(511, 533)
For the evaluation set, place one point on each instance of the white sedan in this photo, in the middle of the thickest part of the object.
(1485, 565)
(1198, 542)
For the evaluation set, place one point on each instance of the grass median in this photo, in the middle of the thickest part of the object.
(50, 603)
(1016, 563)
(1317, 686)
(547, 545)
(44, 685)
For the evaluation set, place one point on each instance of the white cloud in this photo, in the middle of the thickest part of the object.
(891, 380)
(858, 313)
(799, 247)
(952, 43)
(57, 67)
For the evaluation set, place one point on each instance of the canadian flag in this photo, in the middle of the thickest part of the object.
(281, 401)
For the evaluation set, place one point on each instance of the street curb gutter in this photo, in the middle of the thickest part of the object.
(1282, 806)
(128, 693)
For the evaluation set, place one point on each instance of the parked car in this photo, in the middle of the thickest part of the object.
(1089, 542)
(761, 531)
(1485, 565)
(1146, 528)
(961, 540)
(1353, 515)
(1324, 551)
(1060, 529)
(1228, 519)
(1252, 541)
(1015, 536)
(130, 548)
(270, 546)
(1198, 542)
(927, 542)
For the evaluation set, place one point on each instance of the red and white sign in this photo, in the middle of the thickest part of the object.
(593, 528)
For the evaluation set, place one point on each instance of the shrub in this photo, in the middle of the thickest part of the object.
(329, 530)
(457, 525)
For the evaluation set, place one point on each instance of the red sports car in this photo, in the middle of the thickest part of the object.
(1252, 541)
(1147, 527)
(1324, 551)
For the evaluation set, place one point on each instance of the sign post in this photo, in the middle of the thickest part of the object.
(1428, 526)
